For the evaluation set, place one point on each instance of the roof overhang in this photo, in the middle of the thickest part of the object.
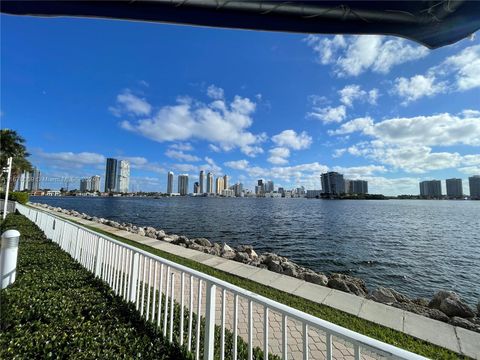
(431, 23)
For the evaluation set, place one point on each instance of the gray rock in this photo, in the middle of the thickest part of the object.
(421, 301)
(274, 265)
(458, 321)
(348, 284)
(455, 307)
(196, 246)
(315, 278)
(289, 269)
(382, 295)
(151, 232)
(450, 304)
(141, 232)
(225, 247)
(422, 310)
(242, 257)
(478, 309)
(229, 254)
(160, 234)
(203, 242)
(216, 250)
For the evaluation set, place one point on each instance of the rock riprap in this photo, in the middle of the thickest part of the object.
(445, 306)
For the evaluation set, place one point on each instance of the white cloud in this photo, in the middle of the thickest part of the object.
(237, 164)
(356, 172)
(128, 103)
(224, 124)
(211, 165)
(214, 148)
(82, 158)
(353, 55)
(181, 146)
(289, 138)
(329, 114)
(470, 170)
(180, 155)
(418, 86)
(215, 92)
(279, 155)
(338, 152)
(465, 67)
(441, 129)
(456, 73)
(359, 124)
(351, 93)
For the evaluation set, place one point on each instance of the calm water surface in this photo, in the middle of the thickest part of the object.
(416, 247)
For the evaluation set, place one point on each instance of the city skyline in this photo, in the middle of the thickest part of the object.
(247, 123)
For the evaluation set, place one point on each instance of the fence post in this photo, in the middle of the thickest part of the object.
(99, 257)
(8, 257)
(208, 348)
(133, 278)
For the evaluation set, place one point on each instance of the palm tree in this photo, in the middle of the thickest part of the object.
(12, 145)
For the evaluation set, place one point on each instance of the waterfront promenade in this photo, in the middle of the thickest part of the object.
(457, 339)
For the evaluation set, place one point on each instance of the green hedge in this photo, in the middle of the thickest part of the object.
(57, 309)
(20, 196)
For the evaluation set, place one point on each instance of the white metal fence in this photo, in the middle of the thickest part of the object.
(10, 205)
(235, 323)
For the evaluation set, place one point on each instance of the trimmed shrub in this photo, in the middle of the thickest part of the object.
(19, 196)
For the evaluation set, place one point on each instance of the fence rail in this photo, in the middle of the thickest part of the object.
(190, 306)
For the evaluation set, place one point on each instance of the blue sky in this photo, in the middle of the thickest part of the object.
(284, 107)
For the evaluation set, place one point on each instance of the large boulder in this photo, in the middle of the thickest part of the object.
(203, 242)
(289, 268)
(461, 322)
(348, 284)
(382, 295)
(216, 250)
(140, 231)
(151, 232)
(227, 252)
(160, 234)
(274, 265)
(319, 279)
(242, 257)
(450, 304)
(422, 310)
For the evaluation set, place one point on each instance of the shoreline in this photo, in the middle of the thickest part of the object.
(445, 306)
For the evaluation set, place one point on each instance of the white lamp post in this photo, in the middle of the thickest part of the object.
(8, 169)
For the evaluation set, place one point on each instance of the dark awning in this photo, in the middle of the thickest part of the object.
(432, 23)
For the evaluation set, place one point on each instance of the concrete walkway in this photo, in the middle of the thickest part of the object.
(454, 338)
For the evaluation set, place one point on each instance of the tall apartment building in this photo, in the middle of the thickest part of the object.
(356, 186)
(238, 188)
(183, 184)
(209, 183)
(170, 182)
(225, 182)
(201, 181)
(111, 175)
(34, 180)
(85, 184)
(260, 187)
(269, 186)
(454, 188)
(333, 183)
(123, 181)
(474, 185)
(431, 189)
(219, 185)
(196, 187)
(22, 182)
(95, 183)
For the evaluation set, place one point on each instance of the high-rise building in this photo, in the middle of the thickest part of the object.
(196, 187)
(260, 187)
(269, 187)
(219, 186)
(431, 189)
(123, 176)
(34, 180)
(333, 183)
(225, 182)
(201, 181)
(22, 182)
(170, 182)
(209, 183)
(85, 184)
(111, 175)
(183, 184)
(95, 183)
(474, 184)
(454, 188)
(238, 188)
(356, 186)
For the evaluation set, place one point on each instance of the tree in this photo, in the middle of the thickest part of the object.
(12, 145)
